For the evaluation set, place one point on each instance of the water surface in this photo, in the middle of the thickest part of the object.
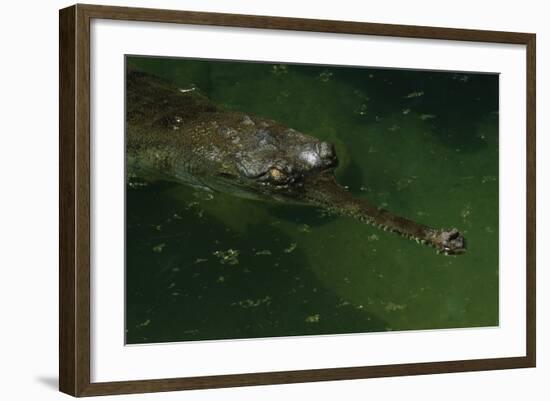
(421, 144)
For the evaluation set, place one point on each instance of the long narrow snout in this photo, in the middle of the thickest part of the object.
(324, 191)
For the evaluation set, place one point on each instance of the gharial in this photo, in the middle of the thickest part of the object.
(179, 134)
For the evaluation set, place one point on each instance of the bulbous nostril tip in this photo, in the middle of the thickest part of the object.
(326, 150)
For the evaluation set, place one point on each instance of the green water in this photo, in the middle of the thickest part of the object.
(421, 144)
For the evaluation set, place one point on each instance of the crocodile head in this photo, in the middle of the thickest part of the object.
(277, 163)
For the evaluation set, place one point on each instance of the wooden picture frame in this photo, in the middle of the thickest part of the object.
(74, 205)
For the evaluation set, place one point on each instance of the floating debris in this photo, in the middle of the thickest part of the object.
(158, 248)
(190, 205)
(220, 279)
(372, 237)
(361, 95)
(405, 182)
(327, 213)
(266, 252)
(466, 212)
(279, 69)
(343, 303)
(394, 127)
(200, 260)
(229, 257)
(325, 76)
(291, 248)
(406, 111)
(488, 178)
(313, 318)
(414, 94)
(177, 216)
(187, 90)
(135, 183)
(304, 228)
(490, 230)
(361, 110)
(250, 303)
(195, 206)
(425, 117)
(461, 77)
(392, 307)
(204, 195)
(145, 323)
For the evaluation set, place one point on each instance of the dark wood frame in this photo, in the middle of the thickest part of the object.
(74, 204)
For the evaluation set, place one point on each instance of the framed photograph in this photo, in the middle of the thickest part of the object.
(251, 200)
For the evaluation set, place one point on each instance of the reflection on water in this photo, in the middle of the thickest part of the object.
(422, 144)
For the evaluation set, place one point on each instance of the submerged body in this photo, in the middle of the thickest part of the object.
(179, 134)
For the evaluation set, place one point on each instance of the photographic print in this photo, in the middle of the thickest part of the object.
(286, 200)
(272, 199)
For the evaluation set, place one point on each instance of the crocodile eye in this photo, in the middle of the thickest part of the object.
(277, 175)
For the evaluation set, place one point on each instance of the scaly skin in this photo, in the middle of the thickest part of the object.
(179, 134)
